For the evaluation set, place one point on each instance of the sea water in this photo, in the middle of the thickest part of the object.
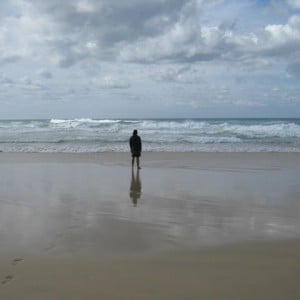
(183, 135)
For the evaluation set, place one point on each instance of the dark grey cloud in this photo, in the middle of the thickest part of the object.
(45, 74)
(173, 31)
(6, 59)
(294, 64)
(114, 20)
(106, 23)
(185, 74)
(6, 80)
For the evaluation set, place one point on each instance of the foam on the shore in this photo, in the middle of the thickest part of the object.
(167, 135)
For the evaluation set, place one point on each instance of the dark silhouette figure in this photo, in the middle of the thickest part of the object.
(135, 187)
(135, 144)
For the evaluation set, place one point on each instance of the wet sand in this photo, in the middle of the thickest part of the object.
(187, 226)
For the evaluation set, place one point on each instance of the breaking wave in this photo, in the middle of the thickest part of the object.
(96, 135)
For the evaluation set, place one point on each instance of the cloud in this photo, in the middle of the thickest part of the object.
(15, 85)
(26, 80)
(294, 64)
(71, 31)
(171, 50)
(185, 41)
(173, 31)
(182, 40)
(182, 74)
(6, 59)
(109, 82)
(45, 74)
(294, 3)
(6, 80)
(280, 39)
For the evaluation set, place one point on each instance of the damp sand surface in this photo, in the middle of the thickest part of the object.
(187, 226)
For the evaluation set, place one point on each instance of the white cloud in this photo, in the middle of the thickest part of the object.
(294, 3)
(26, 80)
(185, 41)
(284, 35)
(85, 6)
(72, 31)
(195, 46)
(110, 82)
(69, 32)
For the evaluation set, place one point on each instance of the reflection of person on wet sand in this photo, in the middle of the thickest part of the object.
(135, 187)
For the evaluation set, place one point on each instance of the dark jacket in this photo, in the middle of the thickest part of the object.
(135, 144)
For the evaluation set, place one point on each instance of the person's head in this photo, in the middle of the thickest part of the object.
(135, 132)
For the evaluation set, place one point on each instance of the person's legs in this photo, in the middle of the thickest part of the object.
(138, 162)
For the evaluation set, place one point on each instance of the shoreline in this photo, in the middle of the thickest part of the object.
(148, 157)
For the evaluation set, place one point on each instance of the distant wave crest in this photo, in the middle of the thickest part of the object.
(94, 135)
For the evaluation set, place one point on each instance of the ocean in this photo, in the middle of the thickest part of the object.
(168, 135)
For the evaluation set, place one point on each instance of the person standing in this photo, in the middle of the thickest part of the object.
(135, 144)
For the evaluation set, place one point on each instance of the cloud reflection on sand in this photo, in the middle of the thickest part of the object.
(88, 208)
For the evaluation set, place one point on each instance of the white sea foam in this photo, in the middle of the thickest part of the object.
(72, 123)
(205, 127)
(92, 135)
(272, 130)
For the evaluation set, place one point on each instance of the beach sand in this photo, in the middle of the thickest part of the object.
(187, 226)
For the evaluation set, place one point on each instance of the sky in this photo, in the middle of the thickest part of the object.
(149, 58)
